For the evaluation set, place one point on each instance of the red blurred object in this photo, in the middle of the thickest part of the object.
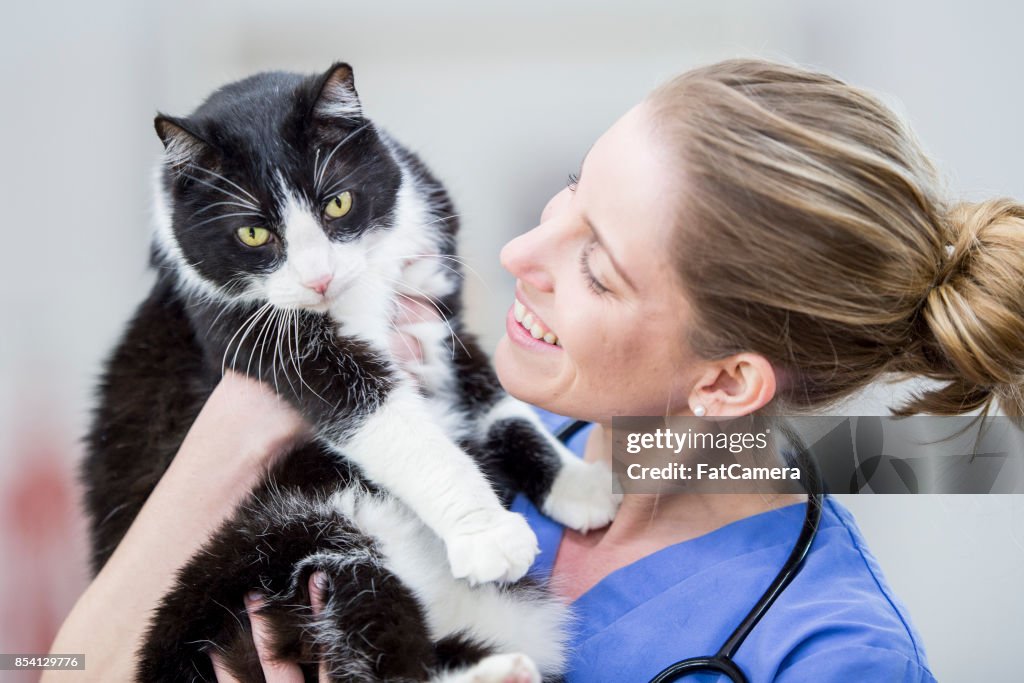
(41, 537)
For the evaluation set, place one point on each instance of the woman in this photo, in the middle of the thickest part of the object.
(750, 238)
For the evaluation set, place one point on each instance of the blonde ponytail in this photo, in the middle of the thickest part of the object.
(973, 336)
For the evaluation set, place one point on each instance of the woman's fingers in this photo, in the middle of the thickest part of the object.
(275, 671)
(220, 670)
(405, 345)
(317, 591)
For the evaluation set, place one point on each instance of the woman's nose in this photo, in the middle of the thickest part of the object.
(531, 256)
(524, 258)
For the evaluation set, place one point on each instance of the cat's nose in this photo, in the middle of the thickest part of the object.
(320, 284)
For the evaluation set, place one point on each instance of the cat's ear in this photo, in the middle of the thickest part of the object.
(182, 147)
(337, 97)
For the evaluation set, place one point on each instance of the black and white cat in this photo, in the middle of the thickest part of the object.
(288, 228)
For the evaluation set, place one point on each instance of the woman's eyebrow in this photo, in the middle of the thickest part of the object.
(604, 245)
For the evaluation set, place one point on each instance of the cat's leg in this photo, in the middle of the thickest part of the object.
(577, 493)
(368, 412)
(401, 447)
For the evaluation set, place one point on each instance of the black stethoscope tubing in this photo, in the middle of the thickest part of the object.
(722, 662)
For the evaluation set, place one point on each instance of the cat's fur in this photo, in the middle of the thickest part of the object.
(387, 500)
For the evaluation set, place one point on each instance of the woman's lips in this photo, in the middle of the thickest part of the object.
(520, 336)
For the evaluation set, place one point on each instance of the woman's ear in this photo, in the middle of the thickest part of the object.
(734, 386)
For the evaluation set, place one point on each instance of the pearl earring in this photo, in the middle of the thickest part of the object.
(699, 410)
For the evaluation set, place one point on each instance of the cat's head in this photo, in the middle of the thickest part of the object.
(277, 189)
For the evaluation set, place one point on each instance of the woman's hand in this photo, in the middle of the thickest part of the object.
(406, 346)
(275, 671)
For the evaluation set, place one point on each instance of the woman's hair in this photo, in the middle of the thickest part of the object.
(812, 231)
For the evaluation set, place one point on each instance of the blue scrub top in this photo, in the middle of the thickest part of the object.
(837, 621)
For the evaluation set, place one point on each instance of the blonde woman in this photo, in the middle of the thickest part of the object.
(751, 237)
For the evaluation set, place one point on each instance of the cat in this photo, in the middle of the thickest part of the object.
(288, 227)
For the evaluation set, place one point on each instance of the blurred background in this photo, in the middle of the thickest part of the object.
(502, 101)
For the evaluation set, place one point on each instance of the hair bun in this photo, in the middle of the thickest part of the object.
(974, 313)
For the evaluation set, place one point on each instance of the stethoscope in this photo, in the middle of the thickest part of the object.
(723, 662)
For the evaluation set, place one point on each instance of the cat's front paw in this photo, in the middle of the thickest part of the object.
(511, 668)
(491, 545)
(581, 497)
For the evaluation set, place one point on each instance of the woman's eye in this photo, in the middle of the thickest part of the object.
(595, 285)
(254, 237)
(339, 206)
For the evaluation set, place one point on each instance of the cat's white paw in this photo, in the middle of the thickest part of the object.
(513, 668)
(491, 545)
(581, 497)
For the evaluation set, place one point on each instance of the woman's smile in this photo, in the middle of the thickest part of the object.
(537, 336)
(527, 318)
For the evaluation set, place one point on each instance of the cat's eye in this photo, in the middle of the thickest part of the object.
(254, 237)
(339, 206)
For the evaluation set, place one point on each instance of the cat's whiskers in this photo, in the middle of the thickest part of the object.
(246, 324)
(257, 348)
(276, 353)
(223, 305)
(218, 188)
(316, 164)
(295, 361)
(320, 173)
(442, 219)
(241, 189)
(292, 318)
(279, 339)
(259, 344)
(272, 337)
(338, 183)
(459, 260)
(215, 204)
(227, 215)
(244, 330)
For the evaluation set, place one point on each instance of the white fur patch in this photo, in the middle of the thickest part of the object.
(533, 623)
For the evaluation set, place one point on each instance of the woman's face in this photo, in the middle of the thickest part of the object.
(596, 277)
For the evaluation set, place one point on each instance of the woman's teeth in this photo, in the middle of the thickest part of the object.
(533, 325)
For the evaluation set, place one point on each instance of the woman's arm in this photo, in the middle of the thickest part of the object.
(240, 430)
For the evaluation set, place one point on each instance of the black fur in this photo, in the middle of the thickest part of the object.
(253, 134)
